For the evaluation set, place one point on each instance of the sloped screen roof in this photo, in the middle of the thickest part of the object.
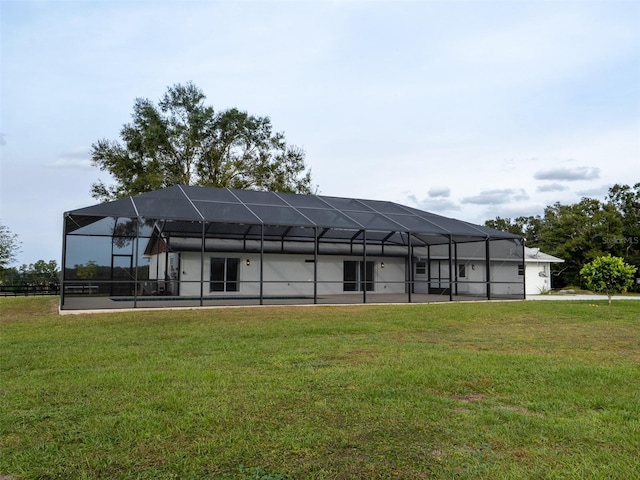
(219, 205)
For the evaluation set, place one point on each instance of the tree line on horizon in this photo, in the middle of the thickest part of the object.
(581, 232)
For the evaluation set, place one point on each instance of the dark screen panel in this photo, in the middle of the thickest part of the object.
(254, 197)
(280, 215)
(210, 194)
(166, 208)
(416, 224)
(329, 218)
(225, 212)
(305, 201)
(385, 207)
(347, 204)
(375, 221)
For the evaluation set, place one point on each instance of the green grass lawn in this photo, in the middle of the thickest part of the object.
(480, 390)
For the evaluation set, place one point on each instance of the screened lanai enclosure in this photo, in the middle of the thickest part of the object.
(186, 246)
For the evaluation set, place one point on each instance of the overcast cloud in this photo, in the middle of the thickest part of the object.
(79, 158)
(467, 109)
(552, 187)
(436, 205)
(497, 197)
(435, 192)
(568, 174)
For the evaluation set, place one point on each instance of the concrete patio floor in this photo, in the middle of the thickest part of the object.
(92, 303)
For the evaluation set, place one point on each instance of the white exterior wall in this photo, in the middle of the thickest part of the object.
(505, 279)
(474, 281)
(157, 269)
(538, 277)
(475, 272)
(291, 275)
(500, 249)
(506, 255)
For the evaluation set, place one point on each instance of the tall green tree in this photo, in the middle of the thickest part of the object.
(528, 227)
(626, 200)
(608, 275)
(183, 141)
(9, 247)
(575, 233)
(40, 273)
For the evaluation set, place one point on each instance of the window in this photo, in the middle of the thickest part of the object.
(224, 274)
(421, 268)
(521, 269)
(354, 276)
(462, 271)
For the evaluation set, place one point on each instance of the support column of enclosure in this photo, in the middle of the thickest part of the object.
(428, 269)
(524, 272)
(451, 269)
(261, 264)
(487, 260)
(315, 265)
(364, 266)
(410, 266)
(455, 265)
(135, 275)
(202, 249)
(167, 274)
(63, 276)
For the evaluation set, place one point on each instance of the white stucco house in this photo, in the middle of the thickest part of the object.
(229, 273)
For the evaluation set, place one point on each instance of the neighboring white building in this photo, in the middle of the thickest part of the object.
(538, 270)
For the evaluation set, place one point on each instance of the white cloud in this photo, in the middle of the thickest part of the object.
(551, 187)
(71, 163)
(434, 205)
(568, 174)
(497, 196)
(78, 158)
(439, 192)
(599, 192)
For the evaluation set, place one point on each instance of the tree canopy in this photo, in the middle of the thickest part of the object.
(9, 246)
(183, 141)
(581, 232)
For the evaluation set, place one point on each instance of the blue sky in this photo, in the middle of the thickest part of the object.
(470, 109)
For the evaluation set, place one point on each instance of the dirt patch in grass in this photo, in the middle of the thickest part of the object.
(469, 397)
